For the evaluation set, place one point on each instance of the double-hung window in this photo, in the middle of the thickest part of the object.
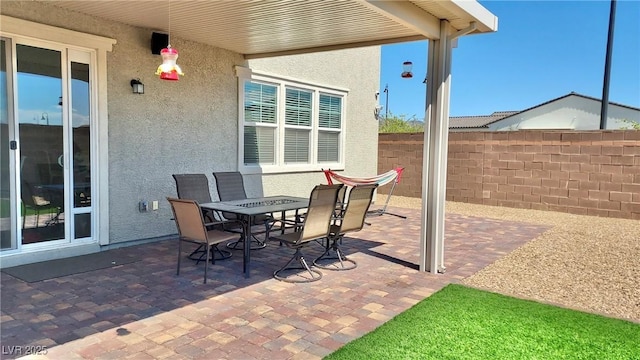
(288, 125)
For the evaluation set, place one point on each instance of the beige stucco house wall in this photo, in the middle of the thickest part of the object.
(191, 126)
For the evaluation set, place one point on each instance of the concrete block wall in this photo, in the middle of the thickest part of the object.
(581, 172)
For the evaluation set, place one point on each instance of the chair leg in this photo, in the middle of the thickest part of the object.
(269, 226)
(334, 258)
(179, 255)
(237, 245)
(300, 277)
(224, 254)
(206, 263)
(198, 254)
(55, 219)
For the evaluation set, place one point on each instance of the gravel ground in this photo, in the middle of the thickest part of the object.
(584, 262)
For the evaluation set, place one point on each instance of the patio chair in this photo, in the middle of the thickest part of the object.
(340, 206)
(230, 186)
(40, 201)
(351, 220)
(192, 228)
(316, 225)
(196, 187)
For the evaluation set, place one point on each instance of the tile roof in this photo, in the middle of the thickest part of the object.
(480, 121)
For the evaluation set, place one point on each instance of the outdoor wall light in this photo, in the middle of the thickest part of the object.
(406, 69)
(138, 87)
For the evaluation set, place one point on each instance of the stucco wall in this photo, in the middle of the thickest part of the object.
(191, 126)
(187, 126)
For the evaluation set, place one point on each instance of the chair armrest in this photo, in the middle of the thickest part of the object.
(223, 222)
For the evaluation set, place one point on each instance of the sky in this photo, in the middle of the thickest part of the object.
(541, 51)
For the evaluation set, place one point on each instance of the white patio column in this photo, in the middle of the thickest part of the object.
(434, 164)
(436, 144)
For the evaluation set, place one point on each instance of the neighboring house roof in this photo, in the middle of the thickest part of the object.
(480, 121)
(483, 121)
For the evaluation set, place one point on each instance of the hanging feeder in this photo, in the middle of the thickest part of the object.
(169, 70)
(406, 70)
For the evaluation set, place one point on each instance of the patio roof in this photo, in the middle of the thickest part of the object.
(271, 28)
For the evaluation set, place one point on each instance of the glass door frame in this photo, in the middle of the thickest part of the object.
(98, 46)
(88, 58)
(14, 204)
(67, 55)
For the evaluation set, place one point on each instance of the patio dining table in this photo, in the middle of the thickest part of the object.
(246, 209)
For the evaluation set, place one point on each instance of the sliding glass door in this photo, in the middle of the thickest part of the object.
(7, 200)
(41, 140)
(46, 145)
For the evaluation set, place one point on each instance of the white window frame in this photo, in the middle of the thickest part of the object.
(282, 83)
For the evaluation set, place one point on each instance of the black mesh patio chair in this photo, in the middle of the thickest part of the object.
(38, 201)
(192, 228)
(230, 186)
(351, 220)
(316, 225)
(196, 187)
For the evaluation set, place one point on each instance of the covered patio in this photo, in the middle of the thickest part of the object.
(263, 30)
(142, 310)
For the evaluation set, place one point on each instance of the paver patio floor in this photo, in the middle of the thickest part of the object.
(143, 310)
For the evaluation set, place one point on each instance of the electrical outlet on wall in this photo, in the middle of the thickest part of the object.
(154, 205)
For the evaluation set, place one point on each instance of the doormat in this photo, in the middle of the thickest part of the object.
(52, 269)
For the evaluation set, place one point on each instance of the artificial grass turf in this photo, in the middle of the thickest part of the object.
(5, 208)
(459, 322)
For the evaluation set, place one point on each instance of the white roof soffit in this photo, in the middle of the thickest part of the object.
(272, 28)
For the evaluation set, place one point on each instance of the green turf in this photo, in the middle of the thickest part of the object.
(5, 208)
(464, 323)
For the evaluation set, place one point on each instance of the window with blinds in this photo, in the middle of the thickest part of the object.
(290, 125)
(260, 103)
(330, 111)
(329, 123)
(297, 119)
(259, 145)
(260, 108)
(328, 146)
(297, 107)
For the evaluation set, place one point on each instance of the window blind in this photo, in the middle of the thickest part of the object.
(298, 107)
(260, 103)
(328, 146)
(259, 145)
(330, 111)
(296, 146)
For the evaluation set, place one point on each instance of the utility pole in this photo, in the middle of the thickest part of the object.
(607, 68)
(386, 105)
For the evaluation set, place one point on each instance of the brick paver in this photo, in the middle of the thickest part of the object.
(142, 310)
